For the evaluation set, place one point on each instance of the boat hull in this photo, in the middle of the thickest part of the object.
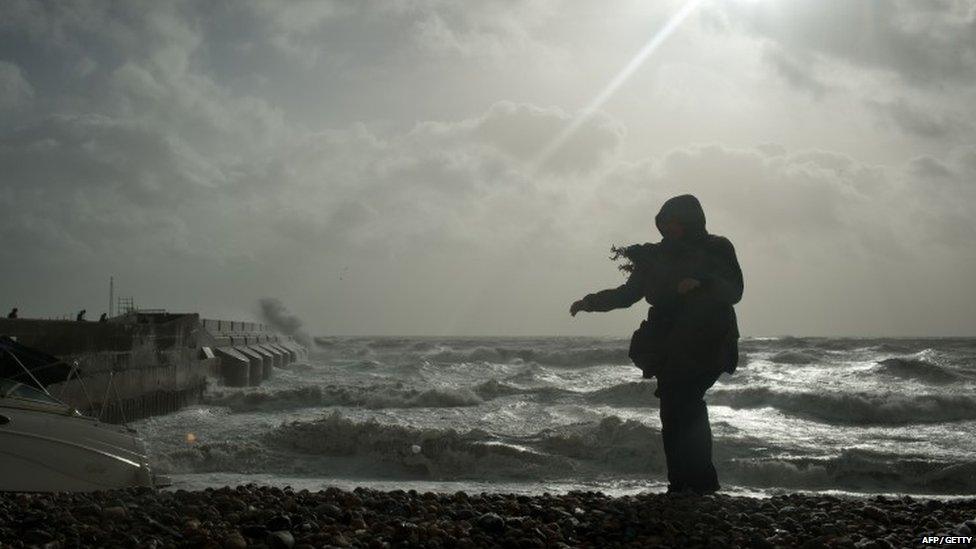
(45, 451)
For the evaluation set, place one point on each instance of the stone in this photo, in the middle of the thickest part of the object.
(530, 543)
(328, 509)
(37, 536)
(114, 513)
(763, 519)
(279, 522)
(815, 543)
(406, 532)
(491, 522)
(88, 510)
(875, 513)
(282, 539)
(234, 541)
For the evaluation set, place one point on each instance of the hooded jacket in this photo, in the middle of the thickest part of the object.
(695, 331)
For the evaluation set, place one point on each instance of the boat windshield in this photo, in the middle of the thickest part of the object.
(13, 389)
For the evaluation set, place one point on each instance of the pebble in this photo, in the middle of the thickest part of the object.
(279, 522)
(873, 512)
(234, 540)
(281, 539)
(492, 522)
(250, 515)
(328, 509)
(113, 513)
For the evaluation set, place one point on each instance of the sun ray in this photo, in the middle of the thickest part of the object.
(621, 77)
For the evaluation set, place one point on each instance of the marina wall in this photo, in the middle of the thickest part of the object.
(247, 352)
(143, 364)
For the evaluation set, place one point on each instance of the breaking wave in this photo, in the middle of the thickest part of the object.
(266, 401)
(918, 369)
(428, 453)
(855, 470)
(334, 446)
(582, 357)
(376, 397)
(635, 394)
(854, 408)
(794, 357)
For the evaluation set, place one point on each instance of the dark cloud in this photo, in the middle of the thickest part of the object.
(798, 74)
(930, 168)
(927, 44)
(93, 182)
(522, 131)
(967, 160)
(918, 122)
(15, 90)
(912, 63)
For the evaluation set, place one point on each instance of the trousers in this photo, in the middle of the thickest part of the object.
(685, 430)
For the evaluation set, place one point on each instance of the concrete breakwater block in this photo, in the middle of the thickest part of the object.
(267, 360)
(279, 357)
(235, 367)
(256, 370)
(289, 356)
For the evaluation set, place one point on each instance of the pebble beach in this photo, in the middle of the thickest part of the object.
(260, 516)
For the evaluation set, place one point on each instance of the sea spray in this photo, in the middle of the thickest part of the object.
(277, 315)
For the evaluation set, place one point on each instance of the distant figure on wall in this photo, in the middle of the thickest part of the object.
(81, 315)
(691, 279)
(103, 318)
(12, 313)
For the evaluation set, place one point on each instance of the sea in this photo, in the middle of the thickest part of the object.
(555, 414)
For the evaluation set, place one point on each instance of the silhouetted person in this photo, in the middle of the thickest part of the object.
(12, 313)
(691, 279)
(103, 318)
(81, 315)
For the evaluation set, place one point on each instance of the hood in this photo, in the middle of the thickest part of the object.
(686, 210)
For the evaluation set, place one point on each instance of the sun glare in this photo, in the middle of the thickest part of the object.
(617, 81)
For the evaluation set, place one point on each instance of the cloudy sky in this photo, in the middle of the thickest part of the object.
(435, 167)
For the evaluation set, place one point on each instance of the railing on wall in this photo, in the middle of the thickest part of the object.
(215, 325)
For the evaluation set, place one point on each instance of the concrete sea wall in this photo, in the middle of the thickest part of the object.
(144, 364)
(248, 352)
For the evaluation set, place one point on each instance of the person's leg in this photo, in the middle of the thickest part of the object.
(706, 477)
(670, 429)
(699, 449)
(676, 429)
(686, 433)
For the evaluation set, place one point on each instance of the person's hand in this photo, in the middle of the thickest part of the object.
(688, 284)
(577, 306)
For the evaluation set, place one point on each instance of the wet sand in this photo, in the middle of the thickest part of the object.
(253, 516)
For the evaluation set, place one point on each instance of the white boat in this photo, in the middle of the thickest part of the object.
(47, 446)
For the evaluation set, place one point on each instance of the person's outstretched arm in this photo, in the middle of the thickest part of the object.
(621, 297)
